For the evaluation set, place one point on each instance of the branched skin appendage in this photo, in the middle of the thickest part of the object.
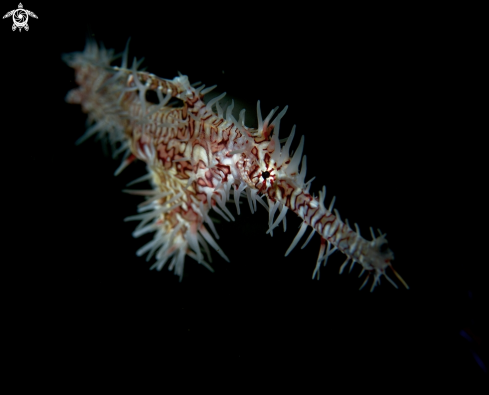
(198, 157)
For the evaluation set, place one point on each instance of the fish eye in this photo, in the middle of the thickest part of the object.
(265, 174)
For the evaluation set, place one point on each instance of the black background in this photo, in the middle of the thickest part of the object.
(374, 98)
